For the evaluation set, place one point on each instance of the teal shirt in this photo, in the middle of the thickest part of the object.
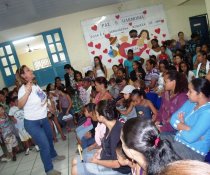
(129, 64)
(198, 137)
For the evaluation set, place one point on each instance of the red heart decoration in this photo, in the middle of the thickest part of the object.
(94, 27)
(164, 35)
(98, 46)
(162, 20)
(130, 23)
(144, 12)
(117, 16)
(162, 42)
(90, 44)
(107, 36)
(157, 30)
(125, 45)
(100, 56)
(109, 60)
(147, 51)
(93, 52)
(155, 37)
(120, 60)
(105, 51)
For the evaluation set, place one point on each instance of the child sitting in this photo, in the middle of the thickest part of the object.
(126, 107)
(86, 131)
(6, 130)
(144, 107)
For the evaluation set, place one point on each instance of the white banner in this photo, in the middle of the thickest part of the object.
(108, 36)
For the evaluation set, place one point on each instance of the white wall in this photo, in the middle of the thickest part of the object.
(73, 35)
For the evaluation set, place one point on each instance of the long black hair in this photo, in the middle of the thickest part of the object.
(107, 109)
(100, 63)
(181, 81)
(141, 135)
(201, 85)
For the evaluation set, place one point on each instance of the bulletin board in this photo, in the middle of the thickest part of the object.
(108, 36)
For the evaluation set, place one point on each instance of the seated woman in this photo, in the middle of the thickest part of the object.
(192, 140)
(103, 161)
(172, 99)
(141, 143)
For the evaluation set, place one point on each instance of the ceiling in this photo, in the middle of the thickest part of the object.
(21, 12)
(15, 13)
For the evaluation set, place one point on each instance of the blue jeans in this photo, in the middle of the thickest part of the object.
(41, 133)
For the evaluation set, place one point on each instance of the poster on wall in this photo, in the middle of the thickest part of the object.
(108, 36)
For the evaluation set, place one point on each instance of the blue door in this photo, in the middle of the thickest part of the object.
(57, 51)
(8, 63)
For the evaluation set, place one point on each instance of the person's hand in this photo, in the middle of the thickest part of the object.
(93, 160)
(181, 117)
(157, 123)
(28, 88)
(88, 135)
(90, 148)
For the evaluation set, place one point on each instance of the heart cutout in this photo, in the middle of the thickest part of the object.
(107, 35)
(94, 27)
(164, 35)
(155, 37)
(100, 56)
(117, 16)
(120, 61)
(105, 51)
(157, 30)
(109, 60)
(98, 46)
(144, 12)
(90, 44)
(147, 51)
(93, 52)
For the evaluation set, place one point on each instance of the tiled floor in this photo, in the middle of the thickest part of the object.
(32, 165)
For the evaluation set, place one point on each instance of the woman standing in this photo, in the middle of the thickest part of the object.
(99, 69)
(34, 103)
(203, 64)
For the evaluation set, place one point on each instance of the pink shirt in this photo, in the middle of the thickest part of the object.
(100, 131)
(88, 122)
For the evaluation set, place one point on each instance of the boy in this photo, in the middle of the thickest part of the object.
(6, 130)
(19, 124)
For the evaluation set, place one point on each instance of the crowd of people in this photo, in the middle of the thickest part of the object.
(150, 117)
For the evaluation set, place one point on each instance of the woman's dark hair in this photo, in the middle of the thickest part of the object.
(68, 66)
(122, 70)
(115, 66)
(57, 78)
(87, 74)
(148, 38)
(188, 67)
(203, 53)
(107, 109)
(180, 33)
(152, 62)
(102, 80)
(201, 85)
(140, 93)
(100, 64)
(165, 63)
(140, 135)
(75, 75)
(90, 107)
(181, 81)
(48, 87)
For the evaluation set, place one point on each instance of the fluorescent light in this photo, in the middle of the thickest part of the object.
(100, 20)
(24, 40)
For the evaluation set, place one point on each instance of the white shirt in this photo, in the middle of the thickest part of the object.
(18, 114)
(36, 105)
(190, 76)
